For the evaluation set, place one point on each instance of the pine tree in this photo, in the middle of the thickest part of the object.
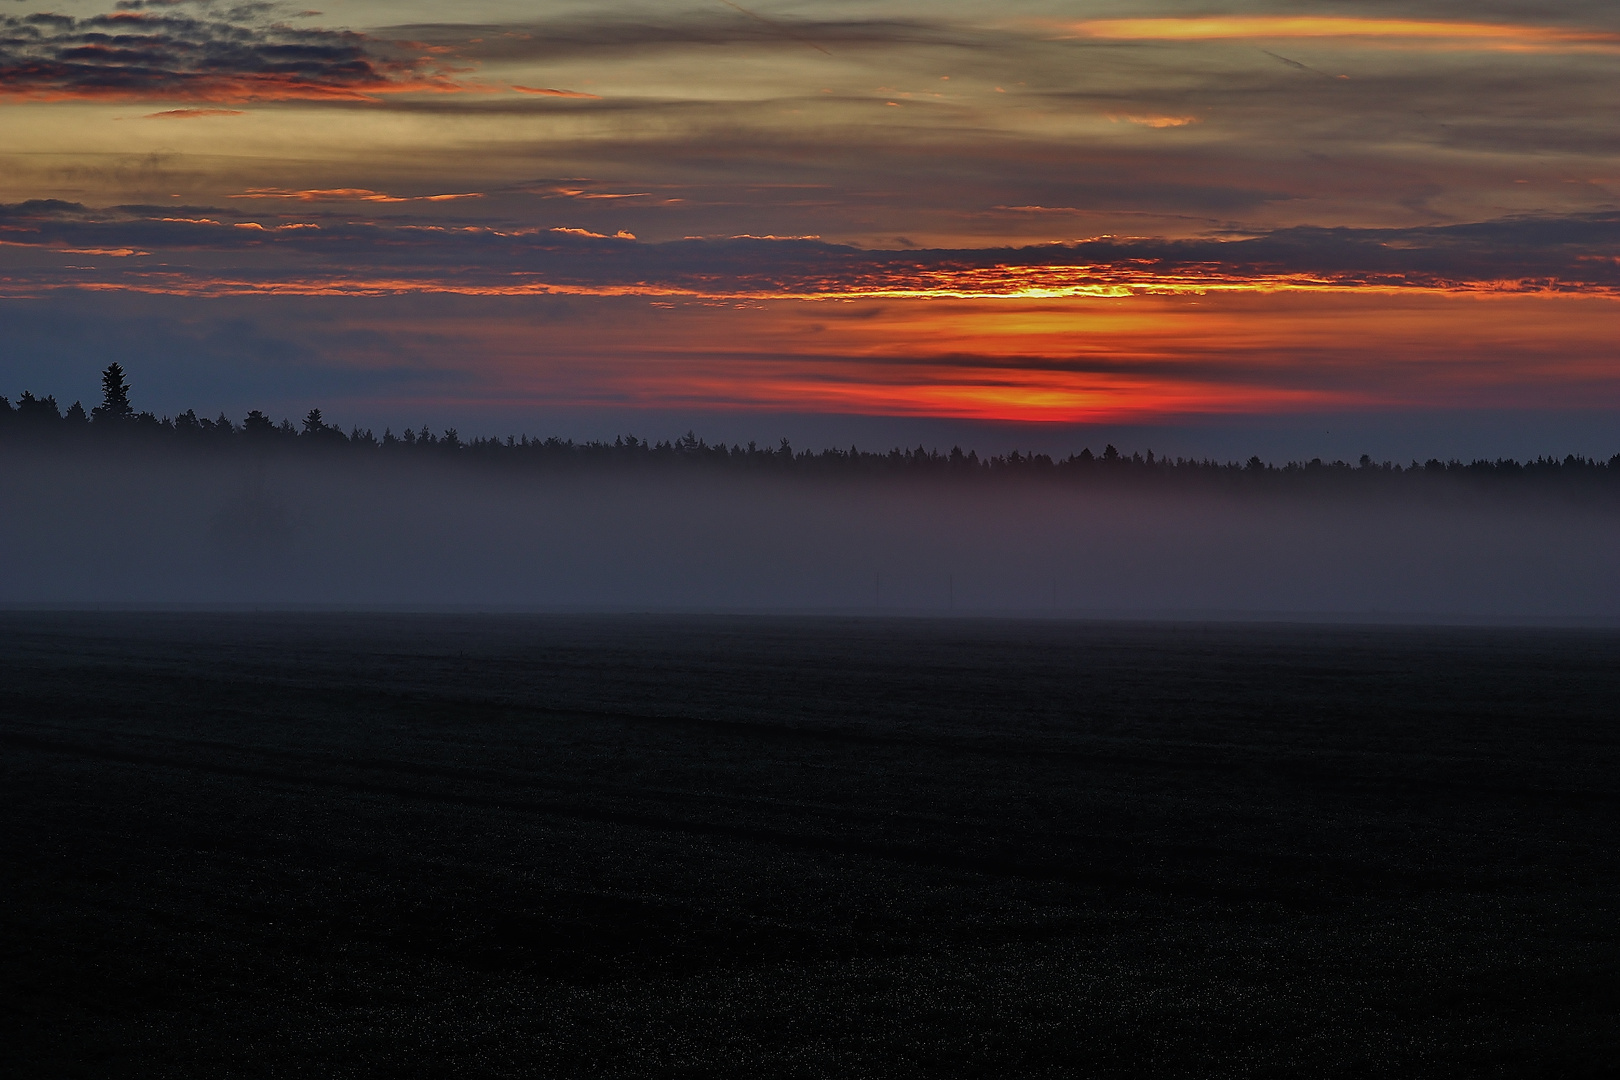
(114, 407)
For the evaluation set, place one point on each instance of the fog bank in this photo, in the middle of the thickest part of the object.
(82, 527)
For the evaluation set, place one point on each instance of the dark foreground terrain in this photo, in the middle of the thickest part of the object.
(342, 845)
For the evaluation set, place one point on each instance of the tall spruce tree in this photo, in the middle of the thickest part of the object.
(114, 407)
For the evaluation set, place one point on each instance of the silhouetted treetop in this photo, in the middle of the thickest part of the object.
(38, 412)
(258, 426)
(115, 407)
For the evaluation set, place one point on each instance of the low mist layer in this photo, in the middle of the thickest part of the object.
(90, 525)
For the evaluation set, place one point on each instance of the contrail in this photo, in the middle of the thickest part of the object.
(778, 27)
(1291, 63)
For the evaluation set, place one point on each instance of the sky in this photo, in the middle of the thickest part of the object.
(1289, 228)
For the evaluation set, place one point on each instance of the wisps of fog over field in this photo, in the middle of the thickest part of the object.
(82, 527)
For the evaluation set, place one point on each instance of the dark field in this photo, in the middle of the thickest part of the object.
(343, 845)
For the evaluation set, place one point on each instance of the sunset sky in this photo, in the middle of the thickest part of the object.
(1316, 227)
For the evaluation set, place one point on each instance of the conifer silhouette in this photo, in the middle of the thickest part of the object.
(114, 407)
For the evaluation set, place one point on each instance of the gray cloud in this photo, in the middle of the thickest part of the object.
(201, 246)
(171, 56)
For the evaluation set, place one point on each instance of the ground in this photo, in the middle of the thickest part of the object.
(271, 844)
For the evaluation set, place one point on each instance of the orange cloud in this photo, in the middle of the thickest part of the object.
(187, 114)
(620, 235)
(999, 284)
(548, 92)
(581, 193)
(1154, 121)
(348, 195)
(1509, 36)
(116, 253)
(996, 284)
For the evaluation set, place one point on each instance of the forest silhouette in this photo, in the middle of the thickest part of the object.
(115, 422)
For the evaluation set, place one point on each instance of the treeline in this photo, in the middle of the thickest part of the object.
(36, 420)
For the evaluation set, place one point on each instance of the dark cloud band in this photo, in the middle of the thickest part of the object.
(208, 249)
(169, 56)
